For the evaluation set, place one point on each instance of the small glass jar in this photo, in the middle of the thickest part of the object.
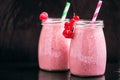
(53, 47)
(88, 49)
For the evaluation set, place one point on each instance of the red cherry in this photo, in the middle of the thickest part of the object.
(76, 18)
(43, 16)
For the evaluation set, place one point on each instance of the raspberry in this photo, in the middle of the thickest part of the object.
(43, 16)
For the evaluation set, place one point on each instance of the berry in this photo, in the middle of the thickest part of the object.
(68, 34)
(72, 20)
(68, 26)
(71, 24)
(71, 28)
(66, 23)
(68, 31)
(65, 34)
(76, 18)
(43, 16)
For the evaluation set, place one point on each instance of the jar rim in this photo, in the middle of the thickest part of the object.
(86, 23)
(54, 21)
(83, 21)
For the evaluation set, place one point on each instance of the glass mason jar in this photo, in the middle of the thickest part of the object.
(88, 49)
(53, 48)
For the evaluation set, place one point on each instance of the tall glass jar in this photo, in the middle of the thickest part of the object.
(88, 49)
(53, 48)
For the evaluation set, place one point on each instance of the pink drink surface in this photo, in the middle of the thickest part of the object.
(88, 52)
(53, 48)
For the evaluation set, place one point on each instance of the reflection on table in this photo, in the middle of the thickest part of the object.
(88, 78)
(32, 73)
(44, 75)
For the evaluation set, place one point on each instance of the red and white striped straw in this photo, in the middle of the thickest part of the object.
(97, 10)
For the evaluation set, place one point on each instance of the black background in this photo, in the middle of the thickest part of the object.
(20, 26)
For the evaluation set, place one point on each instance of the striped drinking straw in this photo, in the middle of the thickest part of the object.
(97, 10)
(64, 14)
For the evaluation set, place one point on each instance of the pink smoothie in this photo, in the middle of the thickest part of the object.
(53, 48)
(88, 51)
